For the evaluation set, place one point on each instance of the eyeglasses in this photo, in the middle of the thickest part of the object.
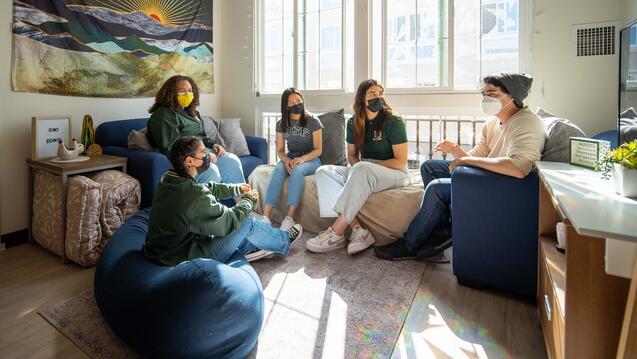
(204, 155)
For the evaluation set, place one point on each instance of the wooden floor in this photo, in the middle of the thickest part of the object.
(445, 321)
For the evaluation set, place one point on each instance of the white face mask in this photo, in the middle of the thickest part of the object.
(490, 106)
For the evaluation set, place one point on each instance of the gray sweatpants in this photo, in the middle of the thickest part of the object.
(344, 190)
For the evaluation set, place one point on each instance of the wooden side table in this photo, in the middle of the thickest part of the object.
(64, 170)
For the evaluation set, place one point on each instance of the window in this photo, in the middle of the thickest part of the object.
(415, 48)
(317, 55)
(277, 37)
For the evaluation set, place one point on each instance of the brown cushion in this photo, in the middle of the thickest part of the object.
(84, 242)
(121, 196)
(385, 213)
(138, 140)
(47, 228)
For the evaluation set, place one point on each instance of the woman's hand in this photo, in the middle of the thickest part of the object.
(220, 150)
(245, 188)
(295, 162)
(287, 165)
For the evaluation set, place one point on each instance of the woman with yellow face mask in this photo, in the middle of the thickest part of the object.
(174, 115)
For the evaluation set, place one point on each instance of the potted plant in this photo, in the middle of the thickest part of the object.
(623, 160)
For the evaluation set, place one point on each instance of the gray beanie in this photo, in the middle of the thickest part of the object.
(517, 85)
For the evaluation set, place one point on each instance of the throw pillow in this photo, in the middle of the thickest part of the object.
(334, 147)
(558, 131)
(137, 140)
(542, 113)
(628, 113)
(233, 137)
(211, 128)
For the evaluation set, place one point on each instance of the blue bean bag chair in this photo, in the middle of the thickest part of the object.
(197, 309)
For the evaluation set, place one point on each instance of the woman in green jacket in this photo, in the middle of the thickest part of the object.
(175, 114)
(187, 221)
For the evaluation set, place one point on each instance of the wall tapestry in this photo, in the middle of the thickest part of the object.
(110, 48)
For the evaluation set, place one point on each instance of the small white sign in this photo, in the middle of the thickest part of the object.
(46, 134)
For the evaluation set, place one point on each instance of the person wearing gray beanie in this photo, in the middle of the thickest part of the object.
(513, 84)
(510, 143)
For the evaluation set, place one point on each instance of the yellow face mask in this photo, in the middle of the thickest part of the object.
(185, 99)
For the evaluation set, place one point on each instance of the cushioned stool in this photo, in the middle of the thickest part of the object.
(197, 309)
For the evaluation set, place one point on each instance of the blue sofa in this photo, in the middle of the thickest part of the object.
(495, 230)
(196, 309)
(147, 166)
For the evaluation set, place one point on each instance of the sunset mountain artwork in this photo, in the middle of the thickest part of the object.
(110, 48)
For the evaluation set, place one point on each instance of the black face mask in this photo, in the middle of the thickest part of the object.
(375, 104)
(297, 109)
(206, 163)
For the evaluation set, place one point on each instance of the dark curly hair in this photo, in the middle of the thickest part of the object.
(167, 95)
(184, 146)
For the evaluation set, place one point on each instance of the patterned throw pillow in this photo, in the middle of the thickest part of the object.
(334, 147)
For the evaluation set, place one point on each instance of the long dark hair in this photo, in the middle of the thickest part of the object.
(184, 146)
(285, 113)
(360, 115)
(167, 95)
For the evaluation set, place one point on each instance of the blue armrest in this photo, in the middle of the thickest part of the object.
(145, 166)
(495, 229)
(258, 147)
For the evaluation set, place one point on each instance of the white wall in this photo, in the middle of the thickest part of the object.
(631, 10)
(16, 110)
(584, 91)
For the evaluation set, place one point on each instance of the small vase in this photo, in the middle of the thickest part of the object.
(625, 180)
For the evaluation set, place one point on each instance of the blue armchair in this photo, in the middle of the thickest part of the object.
(147, 166)
(495, 230)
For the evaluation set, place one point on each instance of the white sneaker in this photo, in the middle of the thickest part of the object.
(256, 254)
(326, 241)
(360, 240)
(287, 223)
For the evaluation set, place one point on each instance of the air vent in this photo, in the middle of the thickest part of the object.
(595, 39)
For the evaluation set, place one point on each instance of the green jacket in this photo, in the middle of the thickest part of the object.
(165, 126)
(186, 215)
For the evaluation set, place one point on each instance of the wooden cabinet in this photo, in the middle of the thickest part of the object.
(581, 308)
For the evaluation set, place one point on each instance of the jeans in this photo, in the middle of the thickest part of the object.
(226, 170)
(253, 232)
(296, 183)
(344, 190)
(435, 206)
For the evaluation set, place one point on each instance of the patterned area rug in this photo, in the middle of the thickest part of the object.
(317, 306)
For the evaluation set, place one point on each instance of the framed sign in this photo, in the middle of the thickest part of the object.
(587, 152)
(46, 132)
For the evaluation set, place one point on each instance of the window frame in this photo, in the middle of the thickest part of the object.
(523, 51)
(259, 52)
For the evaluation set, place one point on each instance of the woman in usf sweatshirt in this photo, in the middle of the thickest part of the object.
(187, 221)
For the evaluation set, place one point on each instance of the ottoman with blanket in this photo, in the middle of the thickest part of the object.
(97, 205)
(196, 309)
